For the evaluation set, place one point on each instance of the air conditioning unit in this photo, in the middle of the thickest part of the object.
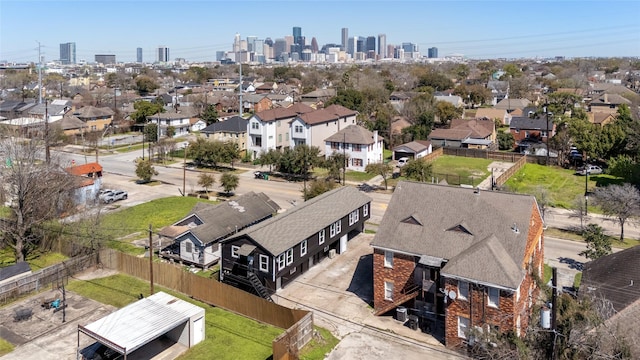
(332, 253)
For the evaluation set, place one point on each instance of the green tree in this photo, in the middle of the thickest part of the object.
(418, 169)
(336, 163)
(446, 111)
(144, 109)
(299, 160)
(145, 85)
(210, 114)
(434, 80)
(625, 167)
(380, 168)
(422, 128)
(511, 71)
(171, 131)
(505, 140)
(151, 133)
(145, 170)
(562, 102)
(349, 98)
(598, 244)
(206, 181)
(317, 187)
(229, 182)
(269, 158)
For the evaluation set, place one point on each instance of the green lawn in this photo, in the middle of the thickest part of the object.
(563, 185)
(228, 335)
(462, 166)
(158, 213)
(576, 236)
(359, 176)
(5, 347)
(4, 211)
(36, 260)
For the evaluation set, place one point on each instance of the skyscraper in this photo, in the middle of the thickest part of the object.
(382, 46)
(236, 43)
(251, 43)
(371, 44)
(298, 39)
(432, 52)
(139, 55)
(163, 54)
(345, 38)
(68, 53)
(314, 45)
(279, 47)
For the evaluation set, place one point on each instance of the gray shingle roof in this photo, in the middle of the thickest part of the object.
(235, 124)
(531, 124)
(282, 232)
(353, 134)
(472, 231)
(13, 270)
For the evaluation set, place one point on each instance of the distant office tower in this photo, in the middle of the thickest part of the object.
(163, 54)
(105, 59)
(314, 45)
(360, 45)
(258, 46)
(289, 40)
(279, 47)
(391, 50)
(409, 47)
(345, 38)
(251, 43)
(382, 46)
(236, 43)
(432, 52)
(68, 53)
(371, 44)
(268, 41)
(139, 55)
(352, 45)
(298, 39)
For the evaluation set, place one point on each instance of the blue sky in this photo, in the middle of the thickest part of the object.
(195, 30)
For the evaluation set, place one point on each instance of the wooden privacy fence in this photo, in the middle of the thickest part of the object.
(510, 171)
(218, 294)
(53, 275)
(434, 155)
(287, 345)
(483, 154)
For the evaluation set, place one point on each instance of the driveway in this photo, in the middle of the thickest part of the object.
(339, 291)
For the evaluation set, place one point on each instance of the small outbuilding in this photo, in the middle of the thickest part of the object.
(140, 323)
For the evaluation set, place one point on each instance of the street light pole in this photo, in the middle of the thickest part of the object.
(586, 192)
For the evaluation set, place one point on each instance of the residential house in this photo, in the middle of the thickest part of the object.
(608, 103)
(233, 129)
(195, 238)
(500, 115)
(413, 150)
(472, 134)
(460, 259)
(512, 104)
(54, 112)
(256, 103)
(11, 109)
(613, 282)
(318, 96)
(197, 124)
(454, 100)
(88, 182)
(361, 146)
(15, 272)
(71, 125)
(312, 128)
(267, 256)
(25, 126)
(526, 129)
(269, 129)
(601, 118)
(179, 120)
(267, 88)
(96, 119)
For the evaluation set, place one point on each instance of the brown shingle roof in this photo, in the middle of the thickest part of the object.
(275, 114)
(480, 128)
(450, 134)
(93, 112)
(353, 134)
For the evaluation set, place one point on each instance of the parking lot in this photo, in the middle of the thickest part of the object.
(340, 293)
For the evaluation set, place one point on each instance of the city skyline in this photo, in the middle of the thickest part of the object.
(480, 29)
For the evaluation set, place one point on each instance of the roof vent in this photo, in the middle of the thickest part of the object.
(515, 228)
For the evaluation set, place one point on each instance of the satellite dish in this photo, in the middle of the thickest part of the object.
(452, 295)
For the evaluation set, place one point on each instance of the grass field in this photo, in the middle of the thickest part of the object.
(462, 166)
(228, 335)
(575, 236)
(563, 185)
(36, 260)
(5, 347)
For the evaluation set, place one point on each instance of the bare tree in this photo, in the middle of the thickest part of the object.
(35, 190)
(619, 202)
(543, 198)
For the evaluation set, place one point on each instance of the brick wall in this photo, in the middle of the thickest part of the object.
(400, 275)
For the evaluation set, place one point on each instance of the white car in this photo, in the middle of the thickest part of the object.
(589, 169)
(403, 161)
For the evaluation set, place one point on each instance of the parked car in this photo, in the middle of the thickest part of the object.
(103, 193)
(589, 169)
(115, 196)
(97, 351)
(403, 161)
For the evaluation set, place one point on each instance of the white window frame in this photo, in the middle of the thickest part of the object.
(365, 210)
(388, 259)
(234, 251)
(321, 236)
(335, 228)
(264, 263)
(463, 294)
(354, 216)
(281, 261)
(463, 327)
(188, 246)
(493, 297)
(388, 290)
(303, 248)
(255, 125)
(290, 256)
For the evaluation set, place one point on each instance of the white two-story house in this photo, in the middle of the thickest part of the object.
(314, 127)
(269, 129)
(180, 120)
(361, 146)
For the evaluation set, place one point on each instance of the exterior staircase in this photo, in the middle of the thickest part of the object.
(406, 294)
(258, 287)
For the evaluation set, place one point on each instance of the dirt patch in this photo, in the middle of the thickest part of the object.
(95, 273)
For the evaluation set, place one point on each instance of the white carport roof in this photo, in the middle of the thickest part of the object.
(140, 322)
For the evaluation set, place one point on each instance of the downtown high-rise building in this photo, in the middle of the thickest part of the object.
(345, 38)
(236, 43)
(432, 52)
(382, 46)
(105, 59)
(68, 53)
(298, 40)
(163, 54)
(139, 55)
(279, 47)
(251, 43)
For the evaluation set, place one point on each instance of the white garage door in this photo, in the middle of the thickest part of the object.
(198, 330)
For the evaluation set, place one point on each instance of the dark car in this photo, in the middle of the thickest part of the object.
(97, 351)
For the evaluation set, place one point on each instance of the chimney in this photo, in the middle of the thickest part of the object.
(606, 97)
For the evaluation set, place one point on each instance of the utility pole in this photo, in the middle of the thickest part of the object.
(39, 73)
(554, 309)
(546, 115)
(240, 112)
(344, 160)
(47, 154)
(184, 172)
(151, 258)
